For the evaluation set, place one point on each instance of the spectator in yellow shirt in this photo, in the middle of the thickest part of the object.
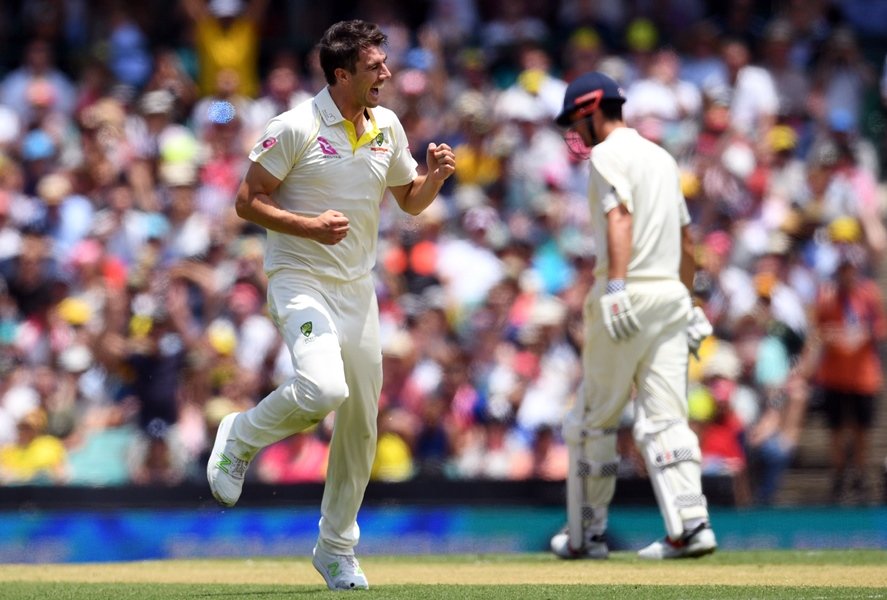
(227, 37)
(36, 457)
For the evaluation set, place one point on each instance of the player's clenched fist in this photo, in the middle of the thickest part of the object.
(329, 227)
(440, 160)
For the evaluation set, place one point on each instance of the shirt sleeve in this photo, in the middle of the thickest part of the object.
(403, 166)
(603, 192)
(614, 180)
(276, 149)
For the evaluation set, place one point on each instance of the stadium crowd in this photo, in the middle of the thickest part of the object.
(132, 297)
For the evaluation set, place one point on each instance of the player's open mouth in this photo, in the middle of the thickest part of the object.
(375, 91)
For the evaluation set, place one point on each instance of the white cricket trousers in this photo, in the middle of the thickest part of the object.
(654, 359)
(332, 331)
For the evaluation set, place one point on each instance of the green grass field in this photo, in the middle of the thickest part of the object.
(749, 575)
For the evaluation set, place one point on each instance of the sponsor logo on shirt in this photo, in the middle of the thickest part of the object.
(267, 143)
(326, 148)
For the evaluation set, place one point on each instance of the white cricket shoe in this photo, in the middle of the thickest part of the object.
(692, 544)
(224, 471)
(340, 571)
(595, 547)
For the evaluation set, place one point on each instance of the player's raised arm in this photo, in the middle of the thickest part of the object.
(415, 197)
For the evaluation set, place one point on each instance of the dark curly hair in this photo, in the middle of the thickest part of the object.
(341, 44)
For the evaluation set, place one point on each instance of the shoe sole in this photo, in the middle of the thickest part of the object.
(701, 552)
(218, 446)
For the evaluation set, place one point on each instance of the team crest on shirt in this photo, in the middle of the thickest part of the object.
(379, 140)
(306, 328)
(268, 142)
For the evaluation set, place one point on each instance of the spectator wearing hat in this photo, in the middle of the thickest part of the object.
(227, 37)
(35, 457)
(534, 147)
(641, 41)
(479, 162)
(582, 51)
(827, 196)
(189, 234)
(850, 323)
(153, 120)
(67, 217)
(150, 132)
(785, 171)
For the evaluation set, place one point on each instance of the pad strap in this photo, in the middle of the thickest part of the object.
(690, 500)
(670, 457)
(589, 468)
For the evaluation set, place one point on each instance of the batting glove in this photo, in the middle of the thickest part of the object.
(698, 328)
(618, 314)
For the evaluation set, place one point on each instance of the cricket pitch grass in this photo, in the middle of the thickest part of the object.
(726, 574)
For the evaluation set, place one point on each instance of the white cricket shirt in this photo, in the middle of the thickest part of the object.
(645, 178)
(321, 164)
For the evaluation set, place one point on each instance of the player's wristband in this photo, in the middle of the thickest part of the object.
(615, 285)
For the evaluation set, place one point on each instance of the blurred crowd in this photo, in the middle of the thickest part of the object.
(132, 312)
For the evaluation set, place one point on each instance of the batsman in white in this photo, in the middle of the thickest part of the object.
(639, 327)
(316, 181)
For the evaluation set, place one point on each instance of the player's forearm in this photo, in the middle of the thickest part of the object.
(423, 190)
(618, 243)
(261, 209)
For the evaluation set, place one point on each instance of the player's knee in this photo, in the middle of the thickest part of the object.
(667, 443)
(322, 395)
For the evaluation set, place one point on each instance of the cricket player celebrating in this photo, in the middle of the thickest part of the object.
(639, 322)
(316, 181)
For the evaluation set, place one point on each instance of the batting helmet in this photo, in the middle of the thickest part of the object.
(584, 95)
